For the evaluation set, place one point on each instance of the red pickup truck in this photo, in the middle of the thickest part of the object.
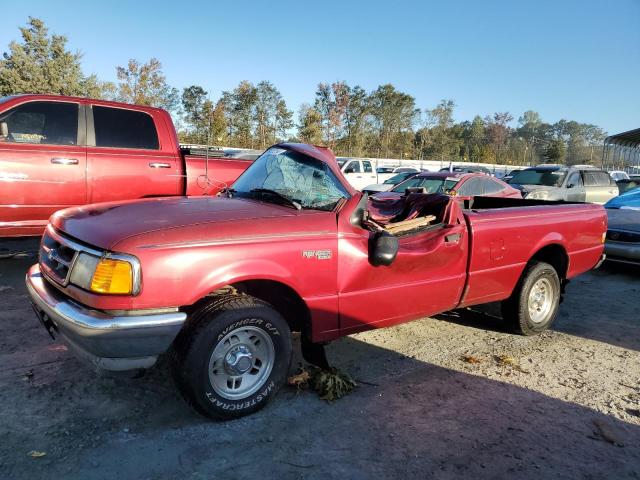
(220, 282)
(57, 152)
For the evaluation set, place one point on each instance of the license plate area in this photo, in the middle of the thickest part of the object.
(46, 322)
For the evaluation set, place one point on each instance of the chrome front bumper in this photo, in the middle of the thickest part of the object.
(109, 342)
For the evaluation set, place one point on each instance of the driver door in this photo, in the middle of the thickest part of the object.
(427, 276)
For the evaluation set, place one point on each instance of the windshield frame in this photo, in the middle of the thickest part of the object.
(295, 156)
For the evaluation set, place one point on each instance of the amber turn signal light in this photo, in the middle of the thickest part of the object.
(112, 276)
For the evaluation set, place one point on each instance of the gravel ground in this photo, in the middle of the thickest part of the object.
(450, 397)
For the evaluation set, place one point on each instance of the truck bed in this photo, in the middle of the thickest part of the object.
(222, 172)
(507, 232)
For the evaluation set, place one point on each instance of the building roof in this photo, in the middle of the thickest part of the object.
(627, 139)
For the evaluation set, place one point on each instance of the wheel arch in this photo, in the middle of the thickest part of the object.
(284, 298)
(555, 255)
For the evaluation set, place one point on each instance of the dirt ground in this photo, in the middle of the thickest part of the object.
(442, 398)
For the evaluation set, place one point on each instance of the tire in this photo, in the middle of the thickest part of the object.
(533, 306)
(232, 356)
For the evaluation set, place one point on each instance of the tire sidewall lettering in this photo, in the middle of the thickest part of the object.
(241, 404)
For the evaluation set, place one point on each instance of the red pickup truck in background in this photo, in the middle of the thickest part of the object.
(221, 281)
(57, 152)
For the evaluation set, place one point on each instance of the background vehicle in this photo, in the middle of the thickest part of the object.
(467, 169)
(57, 152)
(626, 185)
(510, 175)
(292, 246)
(459, 184)
(623, 231)
(389, 183)
(619, 175)
(574, 184)
(359, 173)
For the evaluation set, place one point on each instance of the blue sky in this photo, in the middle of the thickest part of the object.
(578, 60)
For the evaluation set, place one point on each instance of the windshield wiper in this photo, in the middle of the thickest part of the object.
(278, 195)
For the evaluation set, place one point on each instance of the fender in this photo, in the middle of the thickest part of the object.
(241, 271)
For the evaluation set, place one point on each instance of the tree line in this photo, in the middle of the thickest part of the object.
(383, 123)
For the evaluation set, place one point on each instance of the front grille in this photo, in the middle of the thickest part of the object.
(623, 236)
(56, 258)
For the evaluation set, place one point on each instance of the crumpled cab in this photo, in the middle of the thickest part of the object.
(220, 282)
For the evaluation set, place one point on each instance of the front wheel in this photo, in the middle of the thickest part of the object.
(232, 357)
(533, 306)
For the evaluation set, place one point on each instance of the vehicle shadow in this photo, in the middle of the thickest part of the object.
(601, 305)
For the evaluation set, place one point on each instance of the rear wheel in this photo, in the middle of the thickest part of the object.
(232, 356)
(533, 306)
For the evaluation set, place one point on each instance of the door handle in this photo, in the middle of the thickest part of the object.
(64, 161)
(160, 165)
(452, 238)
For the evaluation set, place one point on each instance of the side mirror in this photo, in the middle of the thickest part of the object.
(4, 129)
(571, 185)
(383, 248)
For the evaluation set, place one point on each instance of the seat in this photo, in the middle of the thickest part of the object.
(409, 212)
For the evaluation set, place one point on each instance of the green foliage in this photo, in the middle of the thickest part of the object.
(145, 84)
(556, 151)
(392, 113)
(40, 63)
(310, 128)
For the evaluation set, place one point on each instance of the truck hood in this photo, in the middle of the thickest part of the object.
(104, 225)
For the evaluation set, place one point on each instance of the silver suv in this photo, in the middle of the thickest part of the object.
(573, 184)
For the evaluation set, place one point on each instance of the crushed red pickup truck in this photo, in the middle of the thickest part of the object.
(220, 282)
(57, 152)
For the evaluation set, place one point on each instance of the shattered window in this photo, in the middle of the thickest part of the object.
(302, 179)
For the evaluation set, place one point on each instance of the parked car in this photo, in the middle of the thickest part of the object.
(463, 185)
(359, 173)
(510, 175)
(221, 281)
(467, 169)
(626, 185)
(623, 233)
(380, 170)
(383, 177)
(389, 183)
(574, 184)
(57, 152)
(619, 175)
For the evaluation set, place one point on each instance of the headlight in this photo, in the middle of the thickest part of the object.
(83, 269)
(110, 275)
(538, 195)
